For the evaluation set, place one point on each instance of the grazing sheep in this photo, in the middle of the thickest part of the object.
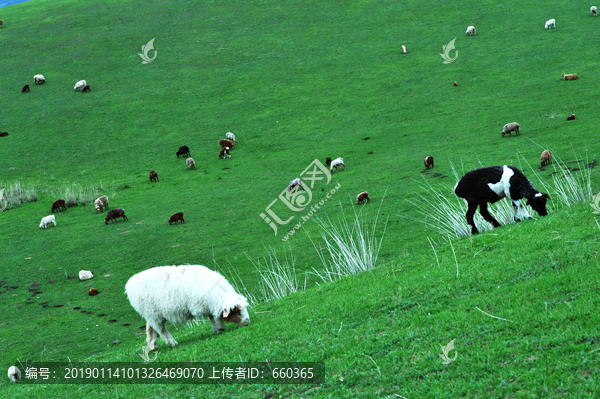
(334, 164)
(101, 203)
(181, 293)
(190, 162)
(93, 292)
(46, 221)
(428, 162)
(570, 118)
(296, 183)
(509, 128)
(176, 217)
(25, 89)
(594, 11)
(86, 89)
(58, 205)
(13, 371)
(114, 214)
(490, 184)
(226, 143)
(471, 31)
(404, 49)
(85, 275)
(39, 79)
(545, 158)
(230, 136)
(362, 196)
(455, 84)
(79, 85)
(3, 134)
(1, 24)
(224, 153)
(551, 23)
(183, 150)
(570, 76)
(153, 175)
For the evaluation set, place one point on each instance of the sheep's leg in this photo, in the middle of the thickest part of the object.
(166, 335)
(518, 205)
(217, 324)
(470, 213)
(151, 337)
(483, 209)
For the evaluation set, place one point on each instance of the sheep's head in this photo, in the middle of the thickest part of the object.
(238, 315)
(538, 203)
(328, 161)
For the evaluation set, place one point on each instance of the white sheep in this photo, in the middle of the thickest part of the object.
(39, 79)
(404, 49)
(85, 275)
(594, 11)
(46, 221)
(471, 31)
(180, 293)
(551, 23)
(335, 163)
(14, 374)
(511, 127)
(190, 162)
(230, 136)
(100, 203)
(79, 85)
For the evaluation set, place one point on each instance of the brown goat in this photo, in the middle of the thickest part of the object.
(428, 162)
(224, 153)
(571, 76)
(25, 89)
(455, 84)
(1, 24)
(3, 134)
(58, 205)
(570, 118)
(362, 196)
(545, 158)
(176, 217)
(226, 143)
(86, 88)
(153, 175)
(93, 292)
(113, 214)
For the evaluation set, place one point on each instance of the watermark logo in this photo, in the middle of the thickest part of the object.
(446, 350)
(446, 54)
(297, 197)
(146, 355)
(3, 201)
(145, 49)
(596, 204)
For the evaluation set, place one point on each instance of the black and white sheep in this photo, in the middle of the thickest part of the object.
(428, 162)
(224, 153)
(362, 196)
(490, 184)
(79, 85)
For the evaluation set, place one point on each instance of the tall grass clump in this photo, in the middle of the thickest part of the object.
(77, 195)
(570, 186)
(15, 195)
(277, 276)
(352, 248)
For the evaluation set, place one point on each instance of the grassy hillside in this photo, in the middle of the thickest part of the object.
(298, 81)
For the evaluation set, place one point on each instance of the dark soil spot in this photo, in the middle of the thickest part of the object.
(112, 321)
(44, 306)
(542, 169)
(2, 283)
(77, 308)
(142, 327)
(52, 281)
(44, 303)
(102, 315)
(437, 174)
(71, 277)
(126, 325)
(370, 152)
(28, 303)
(589, 166)
(33, 289)
(443, 177)
(58, 306)
(424, 171)
(366, 138)
(575, 169)
(90, 312)
(225, 168)
(83, 311)
(36, 284)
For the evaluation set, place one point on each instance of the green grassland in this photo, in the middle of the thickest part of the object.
(295, 81)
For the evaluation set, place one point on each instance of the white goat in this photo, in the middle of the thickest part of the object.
(230, 136)
(14, 374)
(594, 11)
(79, 85)
(471, 31)
(551, 23)
(46, 221)
(190, 162)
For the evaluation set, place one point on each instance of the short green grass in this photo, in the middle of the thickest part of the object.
(297, 81)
